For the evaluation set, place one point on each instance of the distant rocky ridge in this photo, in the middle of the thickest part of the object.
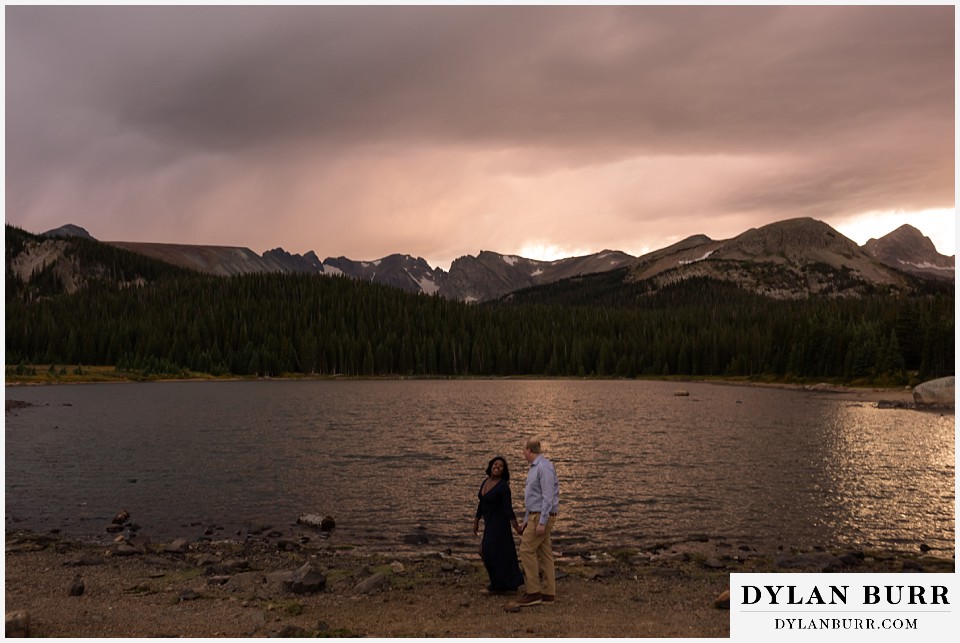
(491, 275)
(789, 258)
(472, 279)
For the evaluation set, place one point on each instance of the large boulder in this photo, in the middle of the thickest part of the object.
(939, 391)
(308, 580)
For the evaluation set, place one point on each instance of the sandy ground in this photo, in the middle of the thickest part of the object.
(232, 590)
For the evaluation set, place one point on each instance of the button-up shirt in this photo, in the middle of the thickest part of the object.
(542, 492)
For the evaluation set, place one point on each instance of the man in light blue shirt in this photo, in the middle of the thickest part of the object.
(542, 500)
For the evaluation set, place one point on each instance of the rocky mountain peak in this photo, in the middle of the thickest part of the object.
(69, 230)
(906, 248)
(792, 240)
(785, 259)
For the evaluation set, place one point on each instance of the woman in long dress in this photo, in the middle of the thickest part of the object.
(498, 550)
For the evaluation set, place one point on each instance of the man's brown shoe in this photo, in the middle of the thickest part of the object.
(529, 599)
(548, 598)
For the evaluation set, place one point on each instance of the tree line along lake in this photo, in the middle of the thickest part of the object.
(397, 460)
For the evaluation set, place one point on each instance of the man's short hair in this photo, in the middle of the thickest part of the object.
(534, 445)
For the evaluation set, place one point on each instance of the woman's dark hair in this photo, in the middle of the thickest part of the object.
(506, 470)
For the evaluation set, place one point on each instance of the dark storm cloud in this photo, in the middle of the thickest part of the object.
(852, 106)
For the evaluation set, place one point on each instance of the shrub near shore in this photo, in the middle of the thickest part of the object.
(249, 589)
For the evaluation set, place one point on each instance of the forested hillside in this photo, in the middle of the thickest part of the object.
(56, 266)
(276, 324)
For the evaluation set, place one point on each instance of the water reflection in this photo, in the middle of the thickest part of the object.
(637, 464)
(910, 492)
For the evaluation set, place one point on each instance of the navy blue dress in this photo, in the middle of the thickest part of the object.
(497, 547)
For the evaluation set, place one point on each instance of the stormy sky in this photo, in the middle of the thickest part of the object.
(441, 131)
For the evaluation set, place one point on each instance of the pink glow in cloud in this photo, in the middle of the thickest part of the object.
(441, 131)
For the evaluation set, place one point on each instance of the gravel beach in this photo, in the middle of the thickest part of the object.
(268, 588)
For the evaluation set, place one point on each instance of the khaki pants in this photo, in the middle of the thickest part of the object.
(536, 555)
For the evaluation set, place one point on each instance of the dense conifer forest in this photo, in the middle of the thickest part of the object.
(172, 321)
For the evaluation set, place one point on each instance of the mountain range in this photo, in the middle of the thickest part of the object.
(786, 259)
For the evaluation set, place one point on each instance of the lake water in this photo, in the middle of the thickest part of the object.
(389, 459)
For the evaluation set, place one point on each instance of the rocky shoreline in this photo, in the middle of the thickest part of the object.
(266, 588)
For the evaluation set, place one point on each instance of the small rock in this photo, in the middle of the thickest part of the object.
(123, 549)
(893, 404)
(723, 601)
(925, 547)
(375, 583)
(188, 595)
(18, 624)
(178, 546)
(206, 560)
(278, 578)
(244, 581)
(122, 516)
(397, 567)
(139, 540)
(256, 530)
(713, 563)
(291, 631)
(416, 539)
(82, 559)
(76, 588)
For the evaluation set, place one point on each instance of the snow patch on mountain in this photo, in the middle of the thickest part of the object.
(427, 285)
(926, 266)
(689, 261)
